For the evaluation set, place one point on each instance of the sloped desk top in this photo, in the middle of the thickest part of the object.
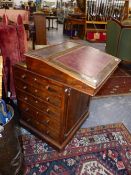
(81, 67)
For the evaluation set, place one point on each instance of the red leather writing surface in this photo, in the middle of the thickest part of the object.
(86, 60)
(89, 63)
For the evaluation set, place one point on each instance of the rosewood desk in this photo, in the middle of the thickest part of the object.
(54, 86)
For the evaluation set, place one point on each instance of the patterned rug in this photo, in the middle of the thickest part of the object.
(103, 150)
(118, 84)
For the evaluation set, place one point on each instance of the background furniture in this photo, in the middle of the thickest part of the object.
(124, 45)
(9, 3)
(74, 25)
(99, 12)
(118, 39)
(113, 34)
(96, 13)
(51, 22)
(53, 93)
(39, 30)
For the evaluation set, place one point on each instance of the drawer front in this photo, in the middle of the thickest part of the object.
(40, 95)
(42, 116)
(20, 72)
(43, 129)
(37, 81)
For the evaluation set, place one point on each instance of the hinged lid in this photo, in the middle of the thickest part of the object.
(81, 67)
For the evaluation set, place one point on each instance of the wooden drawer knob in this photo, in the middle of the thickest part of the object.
(35, 79)
(36, 90)
(23, 76)
(36, 101)
(24, 87)
(47, 121)
(47, 132)
(48, 110)
(25, 98)
(47, 87)
(37, 113)
(47, 98)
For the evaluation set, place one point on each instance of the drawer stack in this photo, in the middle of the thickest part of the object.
(47, 107)
(40, 102)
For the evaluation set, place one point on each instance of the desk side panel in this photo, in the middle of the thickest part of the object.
(77, 109)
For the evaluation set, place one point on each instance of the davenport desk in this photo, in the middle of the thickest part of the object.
(54, 85)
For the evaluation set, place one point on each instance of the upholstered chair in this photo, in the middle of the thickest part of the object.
(113, 34)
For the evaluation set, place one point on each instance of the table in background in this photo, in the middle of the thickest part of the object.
(52, 18)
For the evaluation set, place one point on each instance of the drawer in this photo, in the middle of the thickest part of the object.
(38, 114)
(45, 108)
(43, 129)
(38, 98)
(38, 81)
(20, 72)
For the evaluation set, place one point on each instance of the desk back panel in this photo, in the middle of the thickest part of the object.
(40, 28)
